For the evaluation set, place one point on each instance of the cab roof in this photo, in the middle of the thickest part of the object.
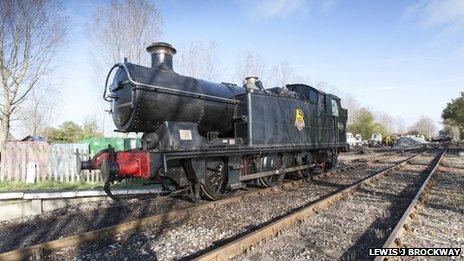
(309, 87)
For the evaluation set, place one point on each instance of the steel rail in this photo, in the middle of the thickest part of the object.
(241, 244)
(37, 251)
(394, 240)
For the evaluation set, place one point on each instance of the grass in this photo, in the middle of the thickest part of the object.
(55, 185)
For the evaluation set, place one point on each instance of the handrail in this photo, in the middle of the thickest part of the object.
(165, 89)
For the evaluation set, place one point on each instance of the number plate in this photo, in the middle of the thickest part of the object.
(185, 134)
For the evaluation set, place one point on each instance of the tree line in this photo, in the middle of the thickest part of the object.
(70, 132)
(453, 117)
(365, 123)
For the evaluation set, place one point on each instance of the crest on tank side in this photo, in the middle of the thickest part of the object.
(299, 119)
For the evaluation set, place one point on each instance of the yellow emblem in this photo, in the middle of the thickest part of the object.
(299, 119)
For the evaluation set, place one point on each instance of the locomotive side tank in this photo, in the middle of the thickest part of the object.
(213, 138)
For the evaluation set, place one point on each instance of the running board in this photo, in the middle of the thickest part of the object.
(274, 172)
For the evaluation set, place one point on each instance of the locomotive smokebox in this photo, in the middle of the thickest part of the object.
(161, 55)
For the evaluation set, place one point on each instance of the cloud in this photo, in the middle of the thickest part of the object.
(283, 8)
(448, 14)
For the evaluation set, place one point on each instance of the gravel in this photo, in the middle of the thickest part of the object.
(77, 220)
(74, 209)
(408, 142)
(350, 156)
(454, 159)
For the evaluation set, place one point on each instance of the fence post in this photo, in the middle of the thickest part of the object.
(9, 152)
(17, 171)
(31, 172)
(23, 162)
(78, 176)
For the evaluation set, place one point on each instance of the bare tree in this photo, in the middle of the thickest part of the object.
(387, 121)
(30, 33)
(424, 126)
(400, 125)
(121, 29)
(451, 130)
(351, 105)
(199, 60)
(38, 110)
(250, 65)
(281, 74)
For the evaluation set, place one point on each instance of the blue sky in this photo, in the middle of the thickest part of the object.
(404, 58)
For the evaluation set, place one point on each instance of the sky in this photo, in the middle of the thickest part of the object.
(404, 58)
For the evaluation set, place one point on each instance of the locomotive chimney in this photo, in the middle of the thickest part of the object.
(161, 55)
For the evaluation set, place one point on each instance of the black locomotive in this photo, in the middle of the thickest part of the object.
(214, 138)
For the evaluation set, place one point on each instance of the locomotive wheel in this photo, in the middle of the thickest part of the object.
(215, 186)
(274, 180)
(306, 173)
(169, 184)
(329, 165)
(303, 159)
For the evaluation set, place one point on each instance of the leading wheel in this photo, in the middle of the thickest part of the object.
(215, 185)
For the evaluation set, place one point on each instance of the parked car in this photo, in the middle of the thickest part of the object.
(353, 140)
(376, 139)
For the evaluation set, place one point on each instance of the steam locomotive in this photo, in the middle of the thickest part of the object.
(214, 138)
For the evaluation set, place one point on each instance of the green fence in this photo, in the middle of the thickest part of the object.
(98, 144)
(132, 143)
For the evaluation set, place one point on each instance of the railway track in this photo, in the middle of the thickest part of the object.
(244, 243)
(435, 220)
(38, 249)
(394, 240)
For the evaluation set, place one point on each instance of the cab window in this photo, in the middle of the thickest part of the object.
(321, 103)
(334, 107)
(313, 96)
